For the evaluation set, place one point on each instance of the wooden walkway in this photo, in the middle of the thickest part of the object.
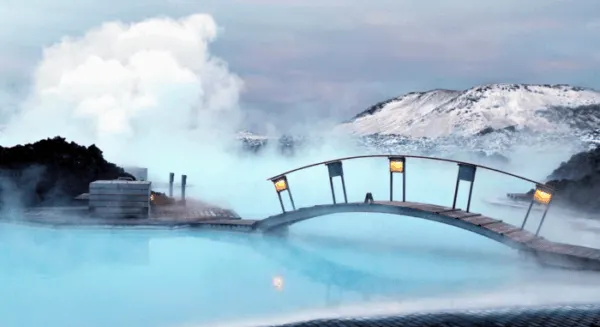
(168, 216)
(548, 252)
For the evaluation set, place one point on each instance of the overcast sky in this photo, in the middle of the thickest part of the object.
(302, 59)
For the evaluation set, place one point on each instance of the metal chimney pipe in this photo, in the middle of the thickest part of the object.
(183, 181)
(171, 181)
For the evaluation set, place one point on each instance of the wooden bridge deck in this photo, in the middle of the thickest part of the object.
(558, 254)
(508, 231)
(548, 252)
(527, 240)
(524, 240)
(171, 216)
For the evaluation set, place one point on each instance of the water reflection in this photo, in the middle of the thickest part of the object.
(101, 277)
(56, 251)
(396, 275)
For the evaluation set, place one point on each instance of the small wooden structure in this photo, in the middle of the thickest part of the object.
(120, 199)
(127, 203)
(110, 201)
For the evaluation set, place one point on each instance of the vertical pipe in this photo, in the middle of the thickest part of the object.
(183, 181)
(455, 193)
(527, 214)
(470, 194)
(537, 232)
(332, 191)
(391, 186)
(344, 189)
(404, 183)
(471, 189)
(291, 198)
(281, 202)
(171, 181)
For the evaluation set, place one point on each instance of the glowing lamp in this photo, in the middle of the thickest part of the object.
(278, 283)
(152, 197)
(396, 165)
(280, 185)
(542, 196)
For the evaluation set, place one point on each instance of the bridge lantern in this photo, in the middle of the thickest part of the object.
(397, 165)
(542, 195)
(281, 184)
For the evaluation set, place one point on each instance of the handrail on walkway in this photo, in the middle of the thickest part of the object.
(404, 156)
(397, 164)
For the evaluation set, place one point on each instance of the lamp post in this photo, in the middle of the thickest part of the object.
(397, 166)
(281, 185)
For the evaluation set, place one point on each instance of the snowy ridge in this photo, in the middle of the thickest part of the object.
(493, 145)
(489, 145)
(436, 113)
(247, 135)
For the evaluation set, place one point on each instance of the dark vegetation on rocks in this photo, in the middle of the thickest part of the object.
(54, 171)
(577, 181)
(51, 171)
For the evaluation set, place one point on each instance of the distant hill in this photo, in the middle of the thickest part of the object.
(436, 113)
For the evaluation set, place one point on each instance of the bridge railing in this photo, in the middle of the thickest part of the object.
(543, 194)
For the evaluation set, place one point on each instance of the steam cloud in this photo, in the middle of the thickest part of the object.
(149, 93)
(129, 85)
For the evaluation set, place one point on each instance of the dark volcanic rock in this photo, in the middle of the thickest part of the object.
(577, 181)
(490, 130)
(582, 194)
(51, 171)
(579, 166)
(285, 145)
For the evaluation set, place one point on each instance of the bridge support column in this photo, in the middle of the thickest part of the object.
(527, 214)
(281, 184)
(332, 189)
(541, 195)
(537, 232)
(335, 169)
(397, 165)
(344, 189)
(465, 173)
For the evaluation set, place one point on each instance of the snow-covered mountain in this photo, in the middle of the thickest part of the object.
(542, 108)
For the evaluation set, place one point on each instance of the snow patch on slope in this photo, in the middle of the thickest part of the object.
(444, 112)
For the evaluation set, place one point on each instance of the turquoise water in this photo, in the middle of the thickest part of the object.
(118, 277)
(102, 277)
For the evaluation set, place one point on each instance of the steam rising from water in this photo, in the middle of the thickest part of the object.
(521, 296)
(145, 86)
(150, 94)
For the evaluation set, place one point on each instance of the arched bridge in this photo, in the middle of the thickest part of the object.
(514, 236)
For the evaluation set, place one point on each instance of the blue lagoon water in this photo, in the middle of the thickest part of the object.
(162, 278)
(112, 277)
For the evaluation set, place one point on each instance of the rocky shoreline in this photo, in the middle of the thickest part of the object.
(51, 172)
(54, 171)
(576, 181)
